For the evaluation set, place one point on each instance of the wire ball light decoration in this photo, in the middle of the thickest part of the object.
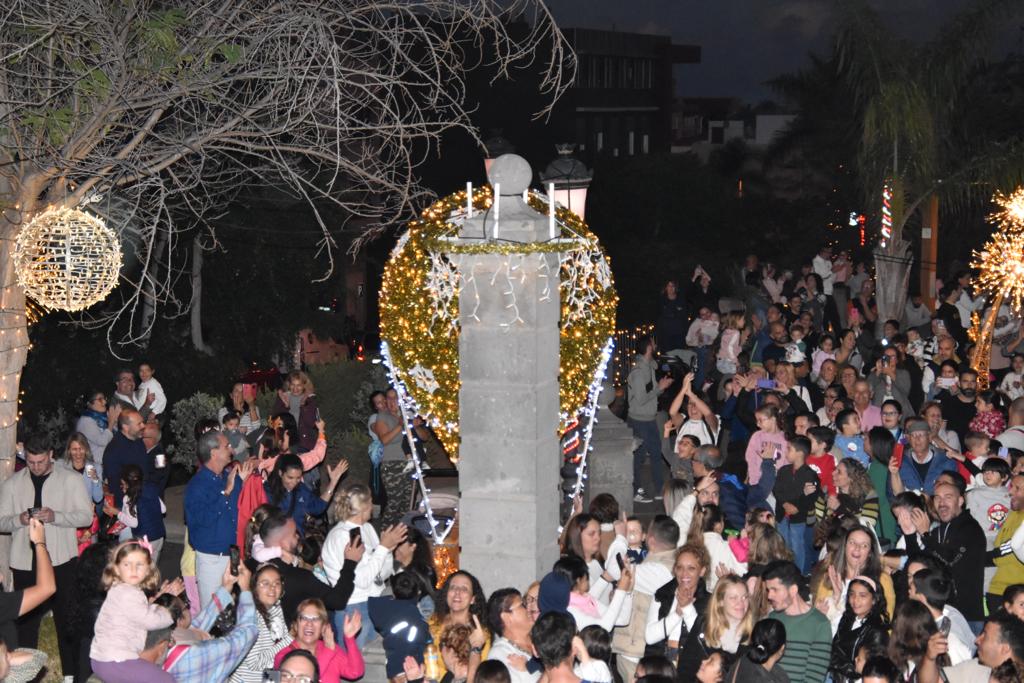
(67, 259)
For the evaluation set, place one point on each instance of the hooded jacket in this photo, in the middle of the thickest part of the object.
(643, 390)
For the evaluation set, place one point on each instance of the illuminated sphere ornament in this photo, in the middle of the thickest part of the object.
(67, 259)
(419, 301)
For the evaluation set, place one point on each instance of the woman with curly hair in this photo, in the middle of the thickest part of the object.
(855, 493)
(681, 601)
(460, 601)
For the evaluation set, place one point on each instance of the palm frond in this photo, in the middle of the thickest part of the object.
(862, 49)
(995, 166)
(947, 61)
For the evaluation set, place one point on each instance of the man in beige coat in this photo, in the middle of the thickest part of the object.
(56, 497)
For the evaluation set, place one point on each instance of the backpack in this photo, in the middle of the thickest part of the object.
(619, 407)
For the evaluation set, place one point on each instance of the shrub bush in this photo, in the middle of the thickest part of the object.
(184, 416)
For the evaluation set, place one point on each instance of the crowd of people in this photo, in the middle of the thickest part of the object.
(851, 481)
(818, 496)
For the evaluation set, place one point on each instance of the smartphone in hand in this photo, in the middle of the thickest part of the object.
(235, 557)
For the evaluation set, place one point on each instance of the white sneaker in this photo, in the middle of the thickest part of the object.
(642, 497)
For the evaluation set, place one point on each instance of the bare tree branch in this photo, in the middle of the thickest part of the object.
(166, 109)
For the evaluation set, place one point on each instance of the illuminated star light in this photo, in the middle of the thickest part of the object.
(1001, 267)
(1011, 212)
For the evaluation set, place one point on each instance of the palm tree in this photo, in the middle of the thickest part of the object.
(909, 101)
(906, 118)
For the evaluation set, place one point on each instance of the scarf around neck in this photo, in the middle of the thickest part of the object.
(101, 418)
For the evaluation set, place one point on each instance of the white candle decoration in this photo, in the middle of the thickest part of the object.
(469, 200)
(551, 210)
(497, 207)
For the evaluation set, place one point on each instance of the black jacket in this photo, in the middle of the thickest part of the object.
(694, 649)
(961, 543)
(845, 644)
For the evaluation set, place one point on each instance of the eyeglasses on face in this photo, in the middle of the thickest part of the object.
(311, 618)
(266, 584)
(289, 677)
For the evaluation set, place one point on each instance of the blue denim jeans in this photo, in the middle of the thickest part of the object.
(650, 447)
(367, 634)
(795, 536)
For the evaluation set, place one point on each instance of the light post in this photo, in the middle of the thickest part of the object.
(495, 147)
(571, 178)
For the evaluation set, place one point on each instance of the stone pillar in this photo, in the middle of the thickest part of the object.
(508, 401)
(610, 464)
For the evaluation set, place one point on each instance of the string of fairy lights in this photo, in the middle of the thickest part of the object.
(408, 410)
(589, 415)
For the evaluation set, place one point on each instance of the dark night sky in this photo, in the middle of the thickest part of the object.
(746, 42)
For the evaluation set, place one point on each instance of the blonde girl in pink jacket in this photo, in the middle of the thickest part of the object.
(127, 616)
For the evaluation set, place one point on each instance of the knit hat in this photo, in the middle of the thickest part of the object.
(554, 594)
(917, 426)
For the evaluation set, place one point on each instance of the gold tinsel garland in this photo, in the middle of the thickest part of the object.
(411, 315)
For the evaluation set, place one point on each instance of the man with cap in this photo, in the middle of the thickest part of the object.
(921, 464)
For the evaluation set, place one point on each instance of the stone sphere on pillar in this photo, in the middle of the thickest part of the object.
(513, 173)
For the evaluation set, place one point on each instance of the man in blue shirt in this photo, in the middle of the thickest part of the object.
(211, 510)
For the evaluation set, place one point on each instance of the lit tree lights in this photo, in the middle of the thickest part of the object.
(886, 214)
(420, 305)
(1000, 266)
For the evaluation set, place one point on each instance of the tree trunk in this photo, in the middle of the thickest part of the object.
(13, 354)
(892, 276)
(149, 292)
(929, 249)
(196, 313)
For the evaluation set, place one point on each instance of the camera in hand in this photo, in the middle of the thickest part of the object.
(671, 366)
(34, 511)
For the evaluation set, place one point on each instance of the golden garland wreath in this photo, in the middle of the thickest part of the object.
(426, 358)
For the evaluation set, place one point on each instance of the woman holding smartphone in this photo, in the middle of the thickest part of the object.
(352, 510)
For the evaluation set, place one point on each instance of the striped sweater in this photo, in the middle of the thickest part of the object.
(808, 645)
(272, 637)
